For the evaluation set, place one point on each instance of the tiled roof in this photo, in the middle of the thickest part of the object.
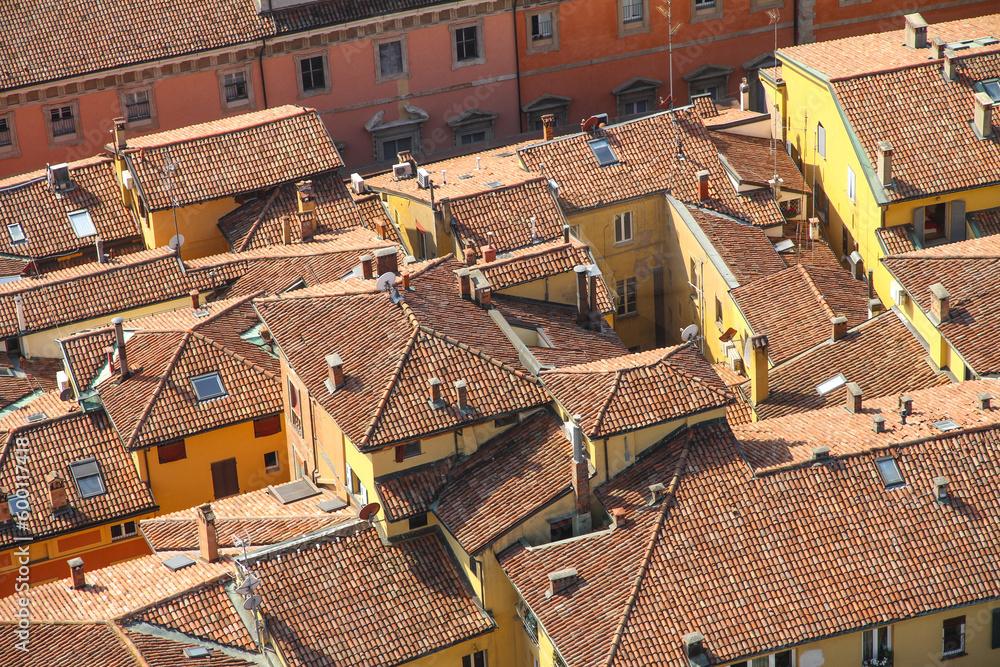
(661, 152)
(465, 175)
(633, 391)
(259, 513)
(987, 221)
(12, 266)
(315, 620)
(54, 445)
(52, 644)
(35, 375)
(486, 493)
(970, 271)
(159, 651)
(739, 412)
(853, 56)
(730, 116)
(880, 355)
(805, 251)
(926, 119)
(508, 213)
(43, 214)
(235, 155)
(755, 159)
(391, 351)
(794, 307)
(745, 249)
(373, 212)
(48, 403)
(896, 240)
(411, 492)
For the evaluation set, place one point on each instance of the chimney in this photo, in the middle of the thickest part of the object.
(940, 489)
(884, 163)
(984, 401)
(335, 372)
(565, 233)
(821, 453)
(99, 250)
(857, 266)
(386, 260)
(775, 184)
(406, 280)
(194, 299)
(983, 118)
(381, 229)
(462, 397)
(307, 225)
(694, 648)
(366, 267)
(940, 304)
(561, 580)
(839, 326)
(582, 300)
(4, 506)
(744, 95)
(878, 423)
(286, 230)
(581, 479)
(120, 339)
(470, 256)
(595, 281)
(119, 132)
(814, 234)
(57, 491)
(548, 127)
(110, 352)
(481, 288)
(853, 397)
(76, 571)
(489, 251)
(916, 31)
(702, 185)
(937, 47)
(265, 335)
(208, 541)
(618, 516)
(465, 283)
(950, 65)
(655, 493)
(22, 324)
(306, 197)
(906, 404)
(758, 369)
(434, 398)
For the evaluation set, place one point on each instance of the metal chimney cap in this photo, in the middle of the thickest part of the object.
(118, 321)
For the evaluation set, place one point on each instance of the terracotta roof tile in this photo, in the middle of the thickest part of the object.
(508, 213)
(754, 160)
(805, 251)
(411, 492)
(51, 644)
(235, 155)
(794, 307)
(34, 375)
(409, 584)
(987, 221)
(896, 240)
(739, 412)
(745, 249)
(48, 403)
(970, 271)
(629, 392)
(163, 652)
(373, 212)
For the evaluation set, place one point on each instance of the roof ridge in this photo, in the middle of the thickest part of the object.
(157, 391)
(238, 301)
(430, 264)
(607, 402)
(234, 354)
(260, 218)
(477, 352)
(502, 188)
(384, 400)
(123, 638)
(526, 256)
(648, 557)
(273, 117)
(815, 290)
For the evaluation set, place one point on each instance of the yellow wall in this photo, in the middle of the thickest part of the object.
(407, 213)
(197, 223)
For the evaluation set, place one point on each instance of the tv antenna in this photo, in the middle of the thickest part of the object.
(671, 31)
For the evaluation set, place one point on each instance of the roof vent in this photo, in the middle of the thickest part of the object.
(335, 366)
(984, 401)
(694, 649)
(560, 580)
(821, 453)
(435, 400)
(618, 516)
(195, 652)
(656, 493)
(916, 31)
(878, 423)
(292, 492)
(940, 489)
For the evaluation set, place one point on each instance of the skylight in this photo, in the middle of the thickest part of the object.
(18, 504)
(602, 151)
(782, 246)
(835, 382)
(87, 475)
(82, 223)
(888, 470)
(179, 561)
(991, 87)
(16, 233)
(207, 387)
(37, 417)
(947, 425)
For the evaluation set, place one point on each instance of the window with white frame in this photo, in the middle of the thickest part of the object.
(16, 232)
(876, 647)
(623, 227)
(821, 140)
(783, 659)
(953, 637)
(82, 223)
(626, 290)
(851, 184)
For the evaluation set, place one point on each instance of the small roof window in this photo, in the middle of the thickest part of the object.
(208, 386)
(888, 470)
(178, 562)
(82, 223)
(835, 382)
(602, 151)
(16, 233)
(37, 417)
(991, 87)
(87, 475)
(18, 504)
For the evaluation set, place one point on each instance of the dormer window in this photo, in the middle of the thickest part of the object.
(602, 151)
(87, 475)
(82, 223)
(888, 470)
(207, 387)
(16, 233)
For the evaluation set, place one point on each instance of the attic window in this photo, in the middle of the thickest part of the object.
(37, 417)
(947, 425)
(16, 232)
(82, 223)
(18, 504)
(87, 475)
(195, 652)
(835, 382)
(178, 562)
(888, 470)
(207, 387)
(991, 87)
(602, 151)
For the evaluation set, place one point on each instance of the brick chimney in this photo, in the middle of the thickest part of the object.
(208, 540)
(194, 299)
(561, 580)
(950, 65)
(4, 505)
(582, 299)
(306, 224)
(878, 423)
(489, 251)
(76, 571)
(119, 133)
(386, 260)
(940, 304)
(434, 398)
(839, 325)
(853, 397)
(462, 396)
(548, 127)
(470, 256)
(57, 491)
(366, 267)
(916, 31)
(109, 352)
(581, 479)
(305, 196)
(335, 372)
(702, 177)
(118, 322)
(884, 163)
(906, 404)
(982, 121)
(465, 283)
(758, 369)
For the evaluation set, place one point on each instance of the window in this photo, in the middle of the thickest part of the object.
(626, 296)
(122, 531)
(294, 406)
(392, 147)
(821, 140)
(473, 566)
(603, 151)
(62, 120)
(875, 645)
(87, 475)
(995, 635)
(953, 642)
(709, 79)
(16, 232)
(632, 11)
(418, 521)
(623, 227)
(313, 73)
(851, 184)
(171, 451)
(783, 659)
(83, 224)
(236, 86)
(473, 126)
(633, 17)
(137, 106)
(207, 387)
(706, 10)
(557, 105)
(636, 107)
(888, 470)
(18, 504)
(472, 138)
(825, 387)
(467, 44)
(541, 26)
(991, 87)
(477, 659)
(407, 451)
(693, 269)
(718, 312)
(704, 4)
(391, 60)
(560, 530)
(266, 426)
(271, 462)
(529, 621)
(6, 138)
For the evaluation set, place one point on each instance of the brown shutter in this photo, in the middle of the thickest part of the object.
(224, 478)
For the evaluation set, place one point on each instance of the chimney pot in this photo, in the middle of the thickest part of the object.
(465, 283)
(656, 493)
(885, 163)
(548, 127)
(435, 400)
(561, 580)
(119, 133)
(983, 118)
(208, 541)
(839, 324)
(916, 31)
(57, 490)
(76, 570)
(878, 423)
(950, 65)
(565, 233)
(940, 489)
(940, 304)
(759, 390)
(618, 516)
(906, 404)
(265, 335)
(194, 299)
(853, 397)
(984, 401)
(582, 298)
(462, 396)
(366, 267)
(821, 453)
(470, 256)
(118, 322)
(386, 260)
(875, 306)
(489, 253)
(335, 366)
(702, 177)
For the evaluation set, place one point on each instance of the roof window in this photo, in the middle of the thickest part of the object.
(207, 387)
(37, 417)
(835, 382)
(16, 233)
(87, 475)
(18, 504)
(82, 223)
(602, 151)
(991, 87)
(178, 562)
(947, 425)
(888, 470)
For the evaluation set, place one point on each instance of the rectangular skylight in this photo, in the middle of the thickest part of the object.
(888, 470)
(178, 562)
(195, 652)
(208, 386)
(992, 88)
(782, 246)
(602, 151)
(82, 223)
(18, 504)
(7, 372)
(87, 475)
(16, 232)
(947, 425)
(37, 417)
(836, 381)
(293, 491)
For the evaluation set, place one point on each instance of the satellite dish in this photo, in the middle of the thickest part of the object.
(688, 333)
(252, 602)
(175, 242)
(249, 585)
(369, 511)
(385, 281)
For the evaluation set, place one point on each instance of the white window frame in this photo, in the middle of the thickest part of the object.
(11, 226)
(821, 140)
(852, 185)
(869, 640)
(88, 220)
(480, 58)
(622, 288)
(623, 224)
(405, 73)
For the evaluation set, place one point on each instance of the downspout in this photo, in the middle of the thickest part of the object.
(517, 71)
(260, 62)
(795, 22)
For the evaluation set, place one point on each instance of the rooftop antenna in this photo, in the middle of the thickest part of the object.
(248, 587)
(671, 31)
(385, 281)
(774, 15)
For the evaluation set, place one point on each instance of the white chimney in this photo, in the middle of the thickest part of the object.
(950, 62)
(916, 31)
(983, 118)
(885, 163)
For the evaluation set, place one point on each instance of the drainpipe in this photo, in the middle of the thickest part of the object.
(517, 71)
(795, 22)
(260, 62)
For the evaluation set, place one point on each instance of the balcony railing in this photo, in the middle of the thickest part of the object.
(5, 138)
(137, 110)
(296, 420)
(236, 91)
(63, 126)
